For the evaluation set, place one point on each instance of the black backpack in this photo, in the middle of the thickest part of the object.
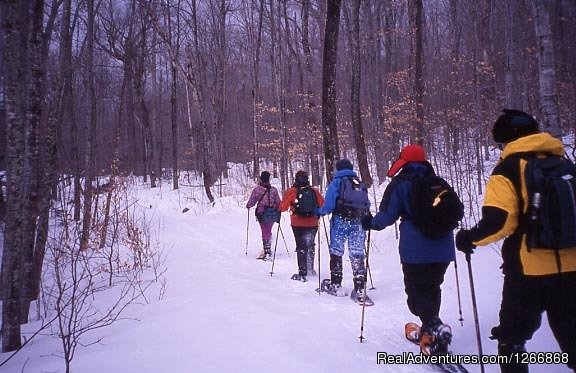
(551, 187)
(436, 208)
(305, 201)
(352, 201)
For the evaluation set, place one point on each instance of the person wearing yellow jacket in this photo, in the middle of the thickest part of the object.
(534, 280)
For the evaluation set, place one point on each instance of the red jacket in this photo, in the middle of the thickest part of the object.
(295, 219)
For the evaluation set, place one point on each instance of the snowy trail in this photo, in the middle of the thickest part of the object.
(224, 312)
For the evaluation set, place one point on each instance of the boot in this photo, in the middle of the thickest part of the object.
(360, 287)
(299, 277)
(267, 248)
(512, 349)
(310, 262)
(335, 269)
(358, 267)
(436, 338)
(266, 251)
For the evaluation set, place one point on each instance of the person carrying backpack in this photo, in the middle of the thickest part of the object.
(536, 279)
(266, 199)
(302, 199)
(346, 226)
(424, 259)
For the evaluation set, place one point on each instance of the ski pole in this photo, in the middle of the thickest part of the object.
(247, 228)
(475, 308)
(283, 239)
(368, 265)
(364, 303)
(461, 319)
(325, 231)
(319, 285)
(274, 256)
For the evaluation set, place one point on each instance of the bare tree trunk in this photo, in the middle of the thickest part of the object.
(140, 64)
(26, 43)
(314, 148)
(115, 163)
(278, 84)
(355, 105)
(455, 86)
(90, 128)
(546, 67)
(46, 163)
(329, 126)
(174, 92)
(373, 13)
(157, 127)
(256, 109)
(13, 23)
(417, 26)
(391, 48)
(514, 62)
(196, 80)
(68, 112)
(219, 92)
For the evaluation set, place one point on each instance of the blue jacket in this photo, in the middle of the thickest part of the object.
(414, 246)
(333, 191)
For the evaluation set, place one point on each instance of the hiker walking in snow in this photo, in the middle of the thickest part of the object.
(346, 226)
(266, 199)
(302, 199)
(538, 276)
(424, 259)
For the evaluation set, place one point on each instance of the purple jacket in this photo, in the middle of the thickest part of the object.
(270, 199)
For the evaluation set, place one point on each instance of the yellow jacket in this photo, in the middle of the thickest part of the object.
(506, 202)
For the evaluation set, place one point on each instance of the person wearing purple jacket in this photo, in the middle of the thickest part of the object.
(264, 195)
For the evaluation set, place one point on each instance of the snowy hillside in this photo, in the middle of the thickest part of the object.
(224, 312)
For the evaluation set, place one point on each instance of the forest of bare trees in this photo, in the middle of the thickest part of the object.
(92, 88)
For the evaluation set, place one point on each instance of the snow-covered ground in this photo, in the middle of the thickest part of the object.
(224, 312)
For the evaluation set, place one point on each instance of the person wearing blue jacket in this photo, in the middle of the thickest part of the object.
(344, 227)
(424, 260)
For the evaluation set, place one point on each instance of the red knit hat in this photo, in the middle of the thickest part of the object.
(410, 153)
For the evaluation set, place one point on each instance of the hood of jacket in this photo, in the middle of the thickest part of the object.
(539, 143)
(345, 172)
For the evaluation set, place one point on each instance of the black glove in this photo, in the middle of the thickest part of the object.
(367, 222)
(463, 242)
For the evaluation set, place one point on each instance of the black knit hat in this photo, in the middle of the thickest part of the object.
(512, 125)
(344, 163)
(301, 179)
(265, 177)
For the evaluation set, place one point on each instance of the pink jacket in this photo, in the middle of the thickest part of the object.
(270, 199)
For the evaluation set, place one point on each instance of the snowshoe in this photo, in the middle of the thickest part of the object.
(436, 342)
(360, 297)
(333, 289)
(265, 255)
(298, 277)
(412, 332)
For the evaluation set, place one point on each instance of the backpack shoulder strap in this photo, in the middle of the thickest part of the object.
(262, 197)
